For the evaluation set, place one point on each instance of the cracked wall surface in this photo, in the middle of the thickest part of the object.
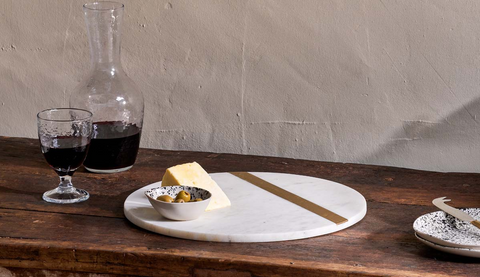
(378, 82)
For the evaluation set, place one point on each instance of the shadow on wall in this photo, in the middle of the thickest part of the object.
(453, 142)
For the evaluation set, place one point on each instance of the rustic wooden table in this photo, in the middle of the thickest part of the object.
(42, 239)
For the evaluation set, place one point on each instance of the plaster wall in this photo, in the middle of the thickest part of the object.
(379, 82)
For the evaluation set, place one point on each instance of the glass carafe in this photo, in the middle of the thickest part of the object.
(115, 101)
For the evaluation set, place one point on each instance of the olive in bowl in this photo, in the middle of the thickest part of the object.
(163, 200)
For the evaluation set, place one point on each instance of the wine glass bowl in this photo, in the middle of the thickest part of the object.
(65, 135)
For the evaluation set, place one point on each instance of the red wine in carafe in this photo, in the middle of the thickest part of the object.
(114, 145)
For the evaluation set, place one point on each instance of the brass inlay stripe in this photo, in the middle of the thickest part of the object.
(314, 208)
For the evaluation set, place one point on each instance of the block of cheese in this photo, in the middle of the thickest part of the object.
(192, 174)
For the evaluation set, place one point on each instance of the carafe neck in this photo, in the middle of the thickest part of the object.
(104, 20)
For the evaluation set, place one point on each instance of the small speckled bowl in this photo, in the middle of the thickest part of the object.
(179, 211)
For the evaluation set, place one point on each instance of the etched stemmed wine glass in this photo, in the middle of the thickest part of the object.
(65, 135)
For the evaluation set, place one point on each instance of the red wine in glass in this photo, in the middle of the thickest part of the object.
(65, 136)
(66, 155)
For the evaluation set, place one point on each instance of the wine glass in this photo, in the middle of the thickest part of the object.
(65, 135)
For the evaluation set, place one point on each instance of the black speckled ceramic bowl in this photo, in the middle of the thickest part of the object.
(179, 211)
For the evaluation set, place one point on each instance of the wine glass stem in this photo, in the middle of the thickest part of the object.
(65, 182)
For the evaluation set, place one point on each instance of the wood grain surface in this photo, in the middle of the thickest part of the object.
(43, 239)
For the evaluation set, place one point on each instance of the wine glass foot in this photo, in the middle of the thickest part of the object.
(65, 196)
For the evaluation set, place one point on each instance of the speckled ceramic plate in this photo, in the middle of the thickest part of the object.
(452, 250)
(445, 230)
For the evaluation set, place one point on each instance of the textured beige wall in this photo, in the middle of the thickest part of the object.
(383, 82)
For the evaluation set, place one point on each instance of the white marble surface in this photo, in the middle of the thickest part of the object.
(256, 215)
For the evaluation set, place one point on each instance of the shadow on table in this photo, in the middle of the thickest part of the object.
(430, 253)
(406, 246)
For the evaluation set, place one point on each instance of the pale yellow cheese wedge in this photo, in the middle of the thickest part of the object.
(192, 174)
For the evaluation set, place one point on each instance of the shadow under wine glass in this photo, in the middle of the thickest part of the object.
(65, 135)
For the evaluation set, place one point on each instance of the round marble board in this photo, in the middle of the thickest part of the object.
(256, 215)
